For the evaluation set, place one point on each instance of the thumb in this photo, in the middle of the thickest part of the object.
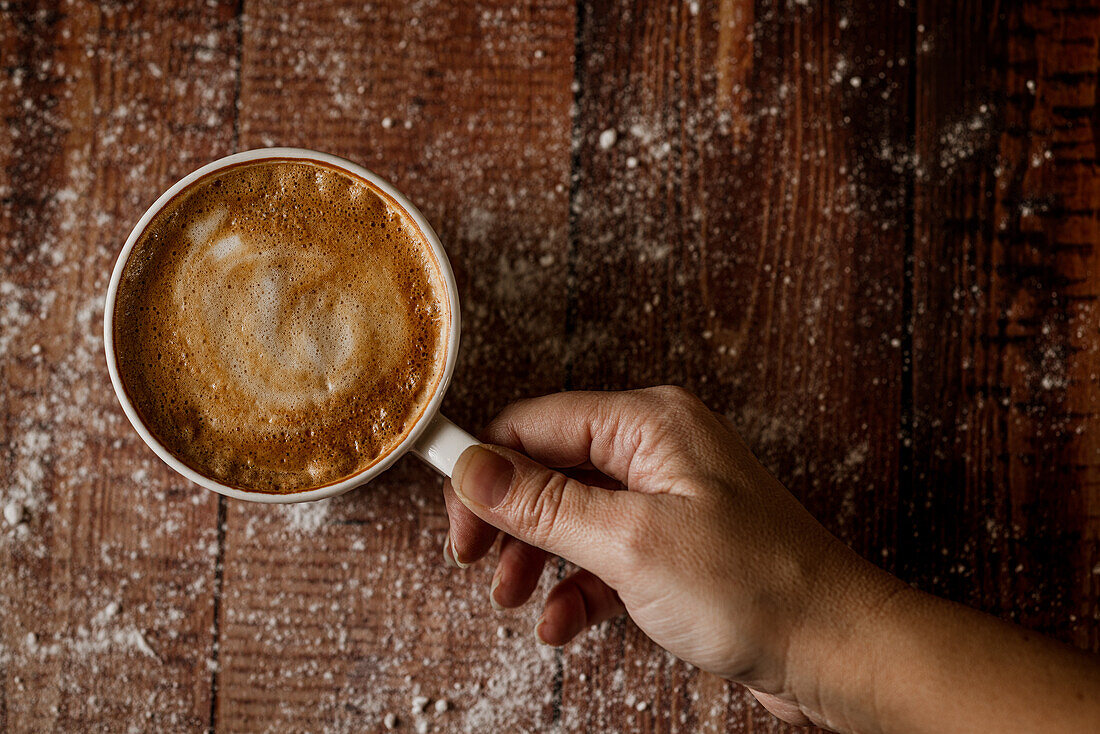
(539, 506)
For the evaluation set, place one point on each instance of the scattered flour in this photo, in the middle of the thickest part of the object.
(69, 451)
(14, 513)
(306, 517)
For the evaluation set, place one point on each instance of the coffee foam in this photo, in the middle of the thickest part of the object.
(280, 325)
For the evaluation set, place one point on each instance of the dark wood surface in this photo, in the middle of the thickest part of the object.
(867, 232)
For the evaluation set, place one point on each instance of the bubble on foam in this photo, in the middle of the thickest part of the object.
(200, 231)
(316, 469)
(266, 290)
(226, 246)
(311, 346)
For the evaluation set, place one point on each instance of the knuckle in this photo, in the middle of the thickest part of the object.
(538, 510)
(675, 414)
(675, 397)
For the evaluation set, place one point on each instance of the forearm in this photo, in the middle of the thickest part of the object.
(916, 663)
(943, 667)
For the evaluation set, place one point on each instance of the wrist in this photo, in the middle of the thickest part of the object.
(831, 660)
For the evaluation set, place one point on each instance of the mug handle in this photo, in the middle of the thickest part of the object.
(441, 444)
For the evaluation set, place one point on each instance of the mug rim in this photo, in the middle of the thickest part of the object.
(419, 426)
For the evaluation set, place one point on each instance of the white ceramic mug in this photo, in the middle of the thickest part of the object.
(433, 437)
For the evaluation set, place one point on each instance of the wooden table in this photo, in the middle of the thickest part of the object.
(867, 231)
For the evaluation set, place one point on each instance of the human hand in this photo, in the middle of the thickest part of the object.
(709, 554)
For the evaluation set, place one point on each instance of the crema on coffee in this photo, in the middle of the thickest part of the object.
(280, 325)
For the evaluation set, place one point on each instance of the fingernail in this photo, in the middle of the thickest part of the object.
(482, 477)
(538, 631)
(454, 554)
(448, 556)
(493, 594)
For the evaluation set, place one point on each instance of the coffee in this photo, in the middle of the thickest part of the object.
(281, 325)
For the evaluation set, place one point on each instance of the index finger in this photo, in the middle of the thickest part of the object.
(569, 429)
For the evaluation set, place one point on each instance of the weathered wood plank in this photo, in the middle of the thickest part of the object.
(106, 589)
(339, 613)
(739, 229)
(745, 234)
(1003, 506)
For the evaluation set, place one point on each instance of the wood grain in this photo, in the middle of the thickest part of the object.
(740, 232)
(106, 590)
(1000, 506)
(867, 232)
(333, 619)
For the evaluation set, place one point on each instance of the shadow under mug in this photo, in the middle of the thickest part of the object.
(433, 437)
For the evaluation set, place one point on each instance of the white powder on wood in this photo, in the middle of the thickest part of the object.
(14, 513)
(306, 517)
